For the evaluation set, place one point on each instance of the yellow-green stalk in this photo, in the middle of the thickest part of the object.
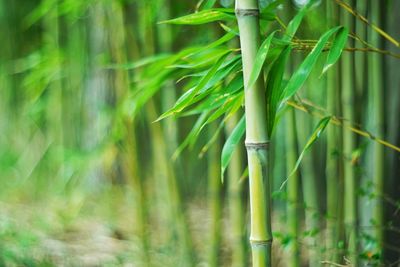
(293, 192)
(350, 183)
(257, 141)
(214, 199)
(334, 177)
(375, 82)
(235, 201)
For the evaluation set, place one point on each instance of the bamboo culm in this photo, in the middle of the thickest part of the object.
(256, 136)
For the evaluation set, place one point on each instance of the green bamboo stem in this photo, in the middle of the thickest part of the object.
(167, 182)
(334, 177)
(128, 155)
(375, 82)
(215, 200)
(235, 201)
(293, 194)
(169, 201)
(350, 183)
(256, 136)
(311, 196)
(54, 101)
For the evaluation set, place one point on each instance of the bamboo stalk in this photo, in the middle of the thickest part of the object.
(129, 153)
(215, 200)
(375, 82)
(256, 136)
(350, 197)
(169, 202)
(235, 201)
(293, 185)
(334, 174)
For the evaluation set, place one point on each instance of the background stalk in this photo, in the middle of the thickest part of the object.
(256, 136)
(293, 191)
(376, 96)
(236, 202)
(214, 199)
(350, 182)
(334, 167)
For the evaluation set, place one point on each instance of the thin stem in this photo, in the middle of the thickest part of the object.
(365, 20)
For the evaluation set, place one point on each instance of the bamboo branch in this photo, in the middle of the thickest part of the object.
(365, 20)
(339, 122)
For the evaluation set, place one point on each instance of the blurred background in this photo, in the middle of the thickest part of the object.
(87, 178)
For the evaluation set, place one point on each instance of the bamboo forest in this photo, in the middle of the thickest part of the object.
(200, 133)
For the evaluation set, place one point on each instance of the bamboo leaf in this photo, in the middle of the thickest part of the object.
(186, 98)
(260, 59)
(191, 137)
(274, 86)
(205, 16)
(336, 48)
(206, 4)
(295, 23)
(305, 68)
(230, 145)
(311, 140)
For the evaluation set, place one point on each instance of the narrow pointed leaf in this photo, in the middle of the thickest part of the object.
(230, 145)
(336, 48)
(274, 86)
(294, 24)
(305, 68)
(260, 59)
(205, 16)
(185, 99)
(311, 140)
(191, 136)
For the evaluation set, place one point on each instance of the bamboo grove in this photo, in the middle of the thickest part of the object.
(199, 133)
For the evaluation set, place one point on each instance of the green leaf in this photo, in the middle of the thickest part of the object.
(267, 15)
(336, 48)
(192, 136)
(272, 6)
(187, 97)
(294, 24)
(305, 68)
(230, 145)
(311, 140)
(205, 16)
(260, 59)
(139, 63)
(206, 4)
(274, 86)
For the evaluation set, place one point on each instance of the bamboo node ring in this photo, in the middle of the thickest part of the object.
(247, 12)
(257, 145)
(261, 242)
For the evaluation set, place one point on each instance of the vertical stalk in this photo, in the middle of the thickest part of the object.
(236, 207)
(350, 184)
(293, 185)
(215, 201)
(376, 95)
(257, 141)
(54, 100)
(128, 153)
(170, 201)
(334, 177)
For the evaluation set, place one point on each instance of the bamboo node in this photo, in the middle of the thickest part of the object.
(257, 145)
(266, 242)
(247, 12)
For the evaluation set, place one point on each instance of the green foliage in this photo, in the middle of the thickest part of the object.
(336, 49)
(311, 140)
(305, 68)
(204, 16)
(260, 60)
(230, 145)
